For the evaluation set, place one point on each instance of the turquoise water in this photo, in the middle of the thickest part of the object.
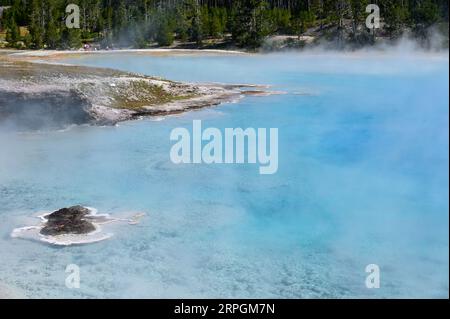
(362, 179)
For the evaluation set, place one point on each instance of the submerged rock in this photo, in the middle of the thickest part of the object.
(68, 221)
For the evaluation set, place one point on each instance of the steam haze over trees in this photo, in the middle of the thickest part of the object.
(41, 24)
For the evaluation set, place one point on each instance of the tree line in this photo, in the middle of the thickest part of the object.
(244, 23)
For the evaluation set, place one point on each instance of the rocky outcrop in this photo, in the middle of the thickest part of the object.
(68, 221)
(41, 95)
(76, 225)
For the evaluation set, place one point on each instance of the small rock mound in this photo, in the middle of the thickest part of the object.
(74, 225)
(68, 221)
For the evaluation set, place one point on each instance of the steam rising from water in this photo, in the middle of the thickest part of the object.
(434, 38)
(363, 178)
(30, 112)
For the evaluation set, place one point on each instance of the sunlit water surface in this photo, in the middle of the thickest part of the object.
(362, 179)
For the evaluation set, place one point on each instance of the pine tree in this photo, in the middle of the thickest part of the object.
(424, 16)
(52, 35)
(120, 21)
(360, 35)
(12, 33)
(250, 27)
(71, 38)
(216, 27)
(183, 23)
(302, 21)
(205, 21)
(36, 24)
(164, 35)
(395, 15)
(196, 29)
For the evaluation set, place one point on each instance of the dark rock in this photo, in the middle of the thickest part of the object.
(68, 221)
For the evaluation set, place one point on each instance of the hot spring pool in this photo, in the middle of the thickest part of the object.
(362, 179)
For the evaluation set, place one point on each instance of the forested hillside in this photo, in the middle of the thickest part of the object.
(243, 23)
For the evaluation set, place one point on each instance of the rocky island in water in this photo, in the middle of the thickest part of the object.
(72, 226)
